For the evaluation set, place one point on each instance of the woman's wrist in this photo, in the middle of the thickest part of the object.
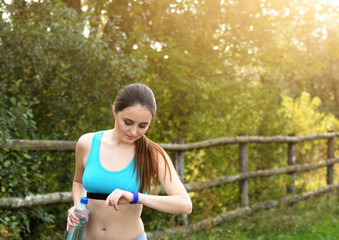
(135, 197)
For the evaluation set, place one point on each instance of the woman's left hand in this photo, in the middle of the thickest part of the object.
(119, 197)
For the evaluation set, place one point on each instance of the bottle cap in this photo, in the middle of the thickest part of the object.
(84, 200)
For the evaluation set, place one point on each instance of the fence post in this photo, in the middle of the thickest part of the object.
(179, 164)
(291, 159)
(243, 168)
(330, 154)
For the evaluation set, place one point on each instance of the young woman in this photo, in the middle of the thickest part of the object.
(118, 169)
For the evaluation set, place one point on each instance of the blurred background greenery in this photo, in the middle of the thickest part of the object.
(217, 67)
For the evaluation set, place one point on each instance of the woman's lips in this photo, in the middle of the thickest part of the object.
(130, 137)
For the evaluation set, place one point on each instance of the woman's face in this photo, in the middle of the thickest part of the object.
(132, 122)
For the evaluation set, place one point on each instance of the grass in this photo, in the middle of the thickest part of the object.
(314, 219)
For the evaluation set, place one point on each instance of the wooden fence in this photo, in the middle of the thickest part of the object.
(179, 149)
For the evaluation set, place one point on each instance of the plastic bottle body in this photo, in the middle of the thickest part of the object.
(81, 211)
(70, 233)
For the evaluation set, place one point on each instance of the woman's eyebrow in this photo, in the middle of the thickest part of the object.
(133, 121)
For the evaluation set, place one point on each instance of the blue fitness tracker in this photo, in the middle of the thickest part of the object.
(136, 197)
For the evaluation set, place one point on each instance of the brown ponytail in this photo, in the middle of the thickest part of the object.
(147, 163)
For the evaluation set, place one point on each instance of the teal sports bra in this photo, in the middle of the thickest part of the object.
(97, 179)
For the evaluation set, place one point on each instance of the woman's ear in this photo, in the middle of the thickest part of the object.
(113, 111)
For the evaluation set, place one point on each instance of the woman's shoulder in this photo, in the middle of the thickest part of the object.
(85, 140)
(86, 136)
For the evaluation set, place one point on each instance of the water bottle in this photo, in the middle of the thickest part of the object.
(81, 211)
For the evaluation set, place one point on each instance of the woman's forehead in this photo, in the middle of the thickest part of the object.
(137, 113)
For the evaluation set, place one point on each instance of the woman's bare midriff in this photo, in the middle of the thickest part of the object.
(109, 224)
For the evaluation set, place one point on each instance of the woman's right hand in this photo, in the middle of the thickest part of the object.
(72, 219)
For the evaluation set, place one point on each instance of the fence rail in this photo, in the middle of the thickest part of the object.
(57, 145)
(178, 149)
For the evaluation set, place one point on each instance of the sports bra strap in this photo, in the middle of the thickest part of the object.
(97, 196)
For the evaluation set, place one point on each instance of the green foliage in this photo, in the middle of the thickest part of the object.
(16, 115)
(305, 117)
(53, 80)
(62, 75)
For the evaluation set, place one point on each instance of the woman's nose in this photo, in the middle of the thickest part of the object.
(134, 130)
